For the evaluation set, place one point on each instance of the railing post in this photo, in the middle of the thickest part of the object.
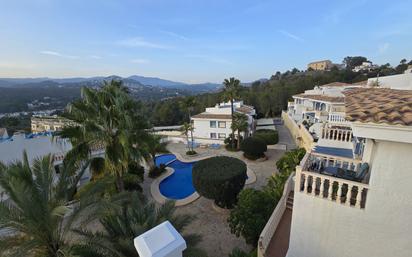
(306, 184)
(348, 195)
(359, 197)
(321, 189)
(330, 190)
(338, 195)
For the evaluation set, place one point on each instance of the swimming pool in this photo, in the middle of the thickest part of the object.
(178, 185)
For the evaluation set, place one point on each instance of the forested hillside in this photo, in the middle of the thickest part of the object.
(270, 97)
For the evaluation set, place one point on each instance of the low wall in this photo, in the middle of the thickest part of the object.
(273, 222)
(300, 134)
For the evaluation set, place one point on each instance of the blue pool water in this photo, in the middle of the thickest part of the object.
(179, 185)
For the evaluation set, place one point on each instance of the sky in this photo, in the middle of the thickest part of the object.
(196, 40)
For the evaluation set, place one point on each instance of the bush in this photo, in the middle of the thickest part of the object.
(132, 182)
(269, 136)
(228, 143)
(253, 148)
(191, 152)
(157, 171)
(220, 178)
(236, 252)
(251, 214)
(136, 169)
(290, 160)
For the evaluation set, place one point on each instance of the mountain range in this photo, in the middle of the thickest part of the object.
(134, 81)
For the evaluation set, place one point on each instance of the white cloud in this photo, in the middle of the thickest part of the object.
(173, 34)
(383, 48)
(139, 61)
(290, 35)
(140, 42)
(57, 54)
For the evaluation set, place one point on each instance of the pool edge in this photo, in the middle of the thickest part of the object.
(160, 198)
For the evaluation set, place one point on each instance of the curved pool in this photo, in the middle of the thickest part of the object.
(178, 185)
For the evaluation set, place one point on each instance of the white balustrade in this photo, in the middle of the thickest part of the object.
(343, 135)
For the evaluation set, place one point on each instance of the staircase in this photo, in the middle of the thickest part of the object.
(289, 202)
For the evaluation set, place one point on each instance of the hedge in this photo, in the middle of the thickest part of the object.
(269, 136)
(253, 148)
(220, 178)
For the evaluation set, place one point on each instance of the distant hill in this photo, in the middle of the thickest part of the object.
(132, 81)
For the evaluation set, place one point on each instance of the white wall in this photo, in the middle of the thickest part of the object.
(203, 129)
(400, 81)
(321, 228)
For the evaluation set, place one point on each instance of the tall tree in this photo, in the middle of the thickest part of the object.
(154, 145)
(239, 124)
(38, 216)
(188, 103)
(122, 225)
(107, 118)
(230, 93)
(187, 129)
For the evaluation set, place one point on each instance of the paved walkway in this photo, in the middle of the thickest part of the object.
(285, 137)
(279, 245)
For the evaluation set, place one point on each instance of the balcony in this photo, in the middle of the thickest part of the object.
(336, 179)
(336, 134)
(337, 117)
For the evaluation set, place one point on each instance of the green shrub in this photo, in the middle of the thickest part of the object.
(136, 169)
(236, 252)
(251, 214)
(269, 136)
(290, 160)
(132, 182)
(157, 171)
(229, 145)
(220, 178)
(253, 148)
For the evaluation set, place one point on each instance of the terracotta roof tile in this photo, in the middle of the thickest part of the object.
(379, 105)
(205, 115)
(245, 109)
(336, 84)
(326, 98)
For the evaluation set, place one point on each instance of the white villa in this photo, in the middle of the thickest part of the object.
(352, 206)
(213, 125)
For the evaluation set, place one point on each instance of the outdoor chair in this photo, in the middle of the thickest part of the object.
(353, 175)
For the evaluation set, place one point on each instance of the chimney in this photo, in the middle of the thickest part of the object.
(160, 241)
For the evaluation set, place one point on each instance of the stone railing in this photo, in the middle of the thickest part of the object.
(273, 222)
(339, 190)
(343, 135)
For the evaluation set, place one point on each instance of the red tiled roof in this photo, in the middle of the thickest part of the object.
(336, 84)
(379, 105)
(205, 115)
(333, 99)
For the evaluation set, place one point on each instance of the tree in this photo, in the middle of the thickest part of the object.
(36, 214)
(154, 145)
(239, 124)
(220, 178)
(109, 118)
(186, 129)
(253, 148)
(187, 104)
(230, 93)
(121, 225)
(251, 214)
(352, 61)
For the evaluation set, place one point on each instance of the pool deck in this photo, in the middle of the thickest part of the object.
(211, 225)
(160, 198)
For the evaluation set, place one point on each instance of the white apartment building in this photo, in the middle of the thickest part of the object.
(357, 207)
(365, 66)
(214, 125)
(41, 123)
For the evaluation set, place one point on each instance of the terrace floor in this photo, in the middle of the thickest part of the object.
(279, 245)
(212, 224)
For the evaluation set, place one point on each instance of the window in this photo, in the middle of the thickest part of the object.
(222, 124)
(213, 124)
(222, 135)
(212, 135)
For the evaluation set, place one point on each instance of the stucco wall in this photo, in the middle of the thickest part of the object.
(300, 134)
(203, 129)
(321, 228)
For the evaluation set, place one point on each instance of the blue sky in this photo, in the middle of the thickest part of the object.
(195, 40)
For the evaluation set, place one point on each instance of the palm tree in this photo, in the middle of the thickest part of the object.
(230, 93)
(154, 145)
(186, 129)
(122, 225)
(110, 119)
(37, 217)
(239, 124)
(188, 103)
